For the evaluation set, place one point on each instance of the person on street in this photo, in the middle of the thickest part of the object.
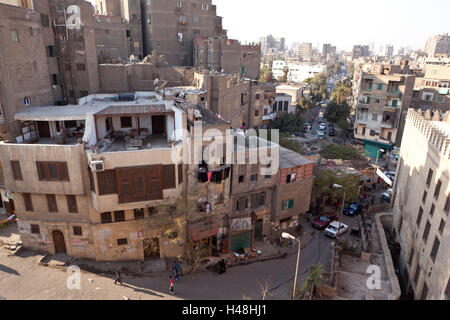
(118, 279)
(176, 267)
(172, 285)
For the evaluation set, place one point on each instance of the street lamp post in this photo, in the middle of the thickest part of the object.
(291, 237)
(343, 204)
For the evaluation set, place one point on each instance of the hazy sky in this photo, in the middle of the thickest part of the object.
(339, 22)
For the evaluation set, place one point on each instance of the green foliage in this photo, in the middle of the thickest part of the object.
(287, 142)
(343, 152)
(336, 112)
(323, 186)
(319, 87)
(306, 104)
(308, 286)
(287, 122)
(266, 75)
(308, 80)
(341, 92)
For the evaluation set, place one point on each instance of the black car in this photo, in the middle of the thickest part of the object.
(331, 132)
(331, 125)
(353, 209)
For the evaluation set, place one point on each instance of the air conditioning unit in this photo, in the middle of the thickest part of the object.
(97, 165)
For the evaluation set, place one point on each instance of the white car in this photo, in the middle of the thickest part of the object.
(320, 134)
(332, 229)
(322, 126)
(387, 194)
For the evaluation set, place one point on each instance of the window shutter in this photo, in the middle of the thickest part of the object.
(291, 203)
(16, 170)
(106, 181)
(169, 176)
(180, 173)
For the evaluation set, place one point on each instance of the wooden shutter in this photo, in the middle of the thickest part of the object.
(169, 176)
(17, 173)
(106, 217)
(41, 171)
(51, 202)
(72, 204)
(63, 172)
(291, 204)
(27, 201)
(106, 181)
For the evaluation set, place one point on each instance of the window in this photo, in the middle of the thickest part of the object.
(151, 211)
(419, 217)
(437, 190)
(179, 4)
(27, 202)
(15, 35)
(77, 231)
(287, 204)
(51, 203)
(447, 205)
(432, 210)
(377, 100)
(374, 117)
(196, 19)
(254, 177)
(426, 232)
(400, 225)
(411, 257)
(35, 229)
(430, 176)
(241, 179)
(257, 96)
(17, 173)
(169, 176)
(106, 217)
(106, 182)
(379, 86)
(204, 7)
(435, 249)
(149, 20)
(27, 101)
(122, 242)
(139, 213)
(441, 226)
(125, 122)
(286, 105)
(424, 197)
(52, 171)
(72, 204)
(372, 132)
(44, 20)
(180, 173)
(424, 294)
(50, 51)
(440, 99)
(197, 32)
(256, 113)
(417, 274)
(119, 216)
(128, 34)
(81, 67)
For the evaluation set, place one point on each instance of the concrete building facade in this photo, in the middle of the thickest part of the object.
(298, 71)
(420, 205)
(438, 46)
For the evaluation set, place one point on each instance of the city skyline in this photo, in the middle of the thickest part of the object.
(336, 31)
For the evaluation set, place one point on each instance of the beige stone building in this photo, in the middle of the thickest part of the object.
(421, 204)
(381, 95)
(438, 46)
(111, 39)
(227, 56)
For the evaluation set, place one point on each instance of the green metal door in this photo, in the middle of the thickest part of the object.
(241, 240)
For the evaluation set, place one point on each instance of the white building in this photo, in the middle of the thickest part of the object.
(298, 71)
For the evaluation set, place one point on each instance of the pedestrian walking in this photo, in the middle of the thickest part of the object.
(118, 279)
(176, 267)
(172, 285)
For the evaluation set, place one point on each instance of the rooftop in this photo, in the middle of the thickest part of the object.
(290, 159)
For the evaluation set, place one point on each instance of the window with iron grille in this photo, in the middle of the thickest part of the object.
(441, 226)
(119, 216)
(411, 257)
(81, 67)
(432, 210)
(35, 229)
(52, 171)
(126, 122)
(151, 211)
(122, 242)
(45, 20)
(27, 201)
(72, 204)
(419, 217)
(169, 176)
(51, 202)
(106, 217)
(17, 173)
(426, 232)
(447, 205)
(417, 274)
(424, 197)
(438, 189)
(430, 176)
(139, 213)
(254, 177)
(106, 182)
(180, 173)
(77, 231)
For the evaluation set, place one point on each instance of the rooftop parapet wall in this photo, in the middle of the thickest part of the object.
(439, 139)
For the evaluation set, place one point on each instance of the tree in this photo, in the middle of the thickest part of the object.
(343, 152)
(288, 122)
(285, 73)
(308, 287)
(341, 92)
(336, 112)
(266, 75)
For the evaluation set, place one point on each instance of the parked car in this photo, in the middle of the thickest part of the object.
(322, 126)
(331, 132)
(331, 125)
(320, 134)
(323, 222)
(335, 229)
(387, 194)
(390, 175)
(353, 209)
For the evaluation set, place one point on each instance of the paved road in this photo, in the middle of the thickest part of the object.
(22, 278)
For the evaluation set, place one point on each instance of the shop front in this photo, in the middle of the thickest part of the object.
(203, 237)
(241, 234)
(371, 148)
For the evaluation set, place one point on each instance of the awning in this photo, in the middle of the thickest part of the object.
(444, 91)
(203, 230)
(56, 113)
(131, 110)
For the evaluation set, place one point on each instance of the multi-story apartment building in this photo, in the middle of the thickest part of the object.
(432, 91)
(381, 95)
(283, 104)
(438, 46)
(298, 71)
(360, 51)
(304, 51)
(111, 39)
(421, 205)
(169, 27)
(389, 51)
(271, 43)
(130, 13)
(228, 56)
